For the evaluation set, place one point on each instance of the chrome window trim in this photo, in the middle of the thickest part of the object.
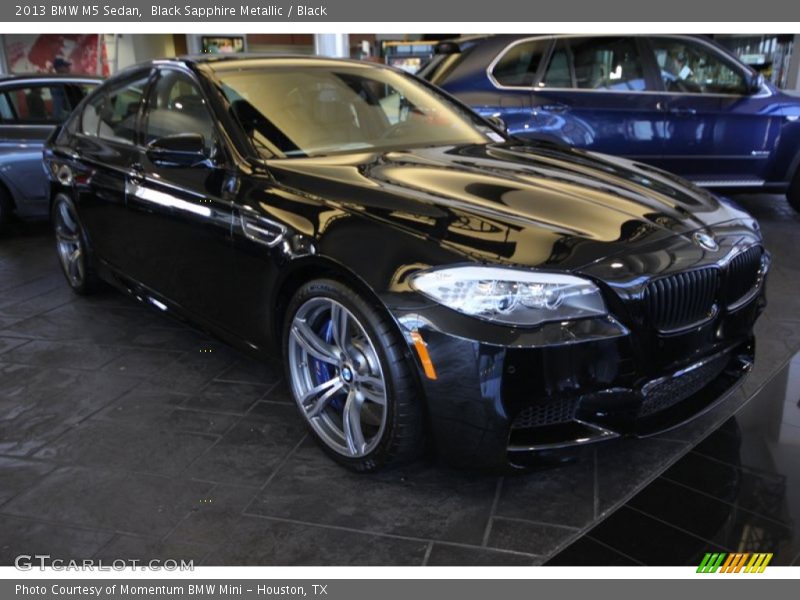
(764, 92)
(729, 183)
(48, 125)
(505, 51)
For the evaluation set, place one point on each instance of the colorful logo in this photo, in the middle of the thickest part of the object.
(743, 562)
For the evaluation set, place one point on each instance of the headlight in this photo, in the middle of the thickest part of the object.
(511, 296)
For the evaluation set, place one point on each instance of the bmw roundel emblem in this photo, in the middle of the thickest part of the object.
(706, 241)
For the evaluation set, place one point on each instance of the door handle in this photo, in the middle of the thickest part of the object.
(683, 111)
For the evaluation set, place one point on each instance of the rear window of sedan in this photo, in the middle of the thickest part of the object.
(41, 103)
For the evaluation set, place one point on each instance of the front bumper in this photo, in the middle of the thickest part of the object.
(501, 395)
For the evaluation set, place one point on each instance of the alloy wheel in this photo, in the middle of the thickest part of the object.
(337, 378)
(69, 243)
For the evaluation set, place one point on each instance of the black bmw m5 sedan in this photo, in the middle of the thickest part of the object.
(423, 275)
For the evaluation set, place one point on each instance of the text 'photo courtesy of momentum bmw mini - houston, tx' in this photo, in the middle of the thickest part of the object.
(430, 281)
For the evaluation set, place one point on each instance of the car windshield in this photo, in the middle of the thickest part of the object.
(315, 111)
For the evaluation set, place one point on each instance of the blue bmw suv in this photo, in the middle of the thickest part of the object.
(681, 103)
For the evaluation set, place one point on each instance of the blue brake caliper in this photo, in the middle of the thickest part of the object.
(325, 371)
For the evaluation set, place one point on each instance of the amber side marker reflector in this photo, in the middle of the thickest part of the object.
(422, 351)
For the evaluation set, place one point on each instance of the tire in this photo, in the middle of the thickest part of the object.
(793, 193)
(371, 380)
(72, 247)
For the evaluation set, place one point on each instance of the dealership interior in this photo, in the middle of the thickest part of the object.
(126, 433)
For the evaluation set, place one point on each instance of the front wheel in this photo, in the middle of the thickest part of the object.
(350, 377)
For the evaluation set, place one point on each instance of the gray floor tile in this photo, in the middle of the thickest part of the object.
(227, 396)
(38, 403)
(626, 466)
(141, 362)
(127, 547)
(121, 446)
(213, 518)
(59, 354)
(29, 536)
(563, 495)
(259, 541)
(19, 474)
(140, 504)
(449, 555)
(9, 343)
(526, 536)
(250, 452)
(418, 501)
(247, 370)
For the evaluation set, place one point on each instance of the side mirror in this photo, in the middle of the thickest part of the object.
(755, 83)
(498, 123)
(179, 150)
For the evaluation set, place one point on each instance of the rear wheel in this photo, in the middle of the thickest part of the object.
(350, 378)
(793, 193)
(73, 251)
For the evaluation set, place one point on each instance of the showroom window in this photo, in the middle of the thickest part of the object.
(688, 67)
(177, 106)
(113, 116)
(519, 65)
(601, 63)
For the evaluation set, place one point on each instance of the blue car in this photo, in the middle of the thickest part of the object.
(31, 106)
(681, 103)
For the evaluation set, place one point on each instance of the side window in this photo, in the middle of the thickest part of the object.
(689, 67)
(601, 63)
(117, 116)
(90, 118)
(520, 63)
(38, 104)
(176, 106)
(6, 114)
(77, 92)
(559, 70)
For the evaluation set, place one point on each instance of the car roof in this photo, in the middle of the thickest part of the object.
(237, 61)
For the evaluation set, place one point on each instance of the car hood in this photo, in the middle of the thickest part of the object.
(538, 205)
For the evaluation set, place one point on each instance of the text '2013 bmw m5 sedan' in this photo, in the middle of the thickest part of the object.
(423, 276)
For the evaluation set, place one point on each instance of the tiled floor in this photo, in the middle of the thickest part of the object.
(738, 490)
(124, 434)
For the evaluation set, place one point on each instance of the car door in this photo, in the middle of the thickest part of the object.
(29, 111)
(179, 212)
(104, 148)
(716, 131)
(594, 94)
